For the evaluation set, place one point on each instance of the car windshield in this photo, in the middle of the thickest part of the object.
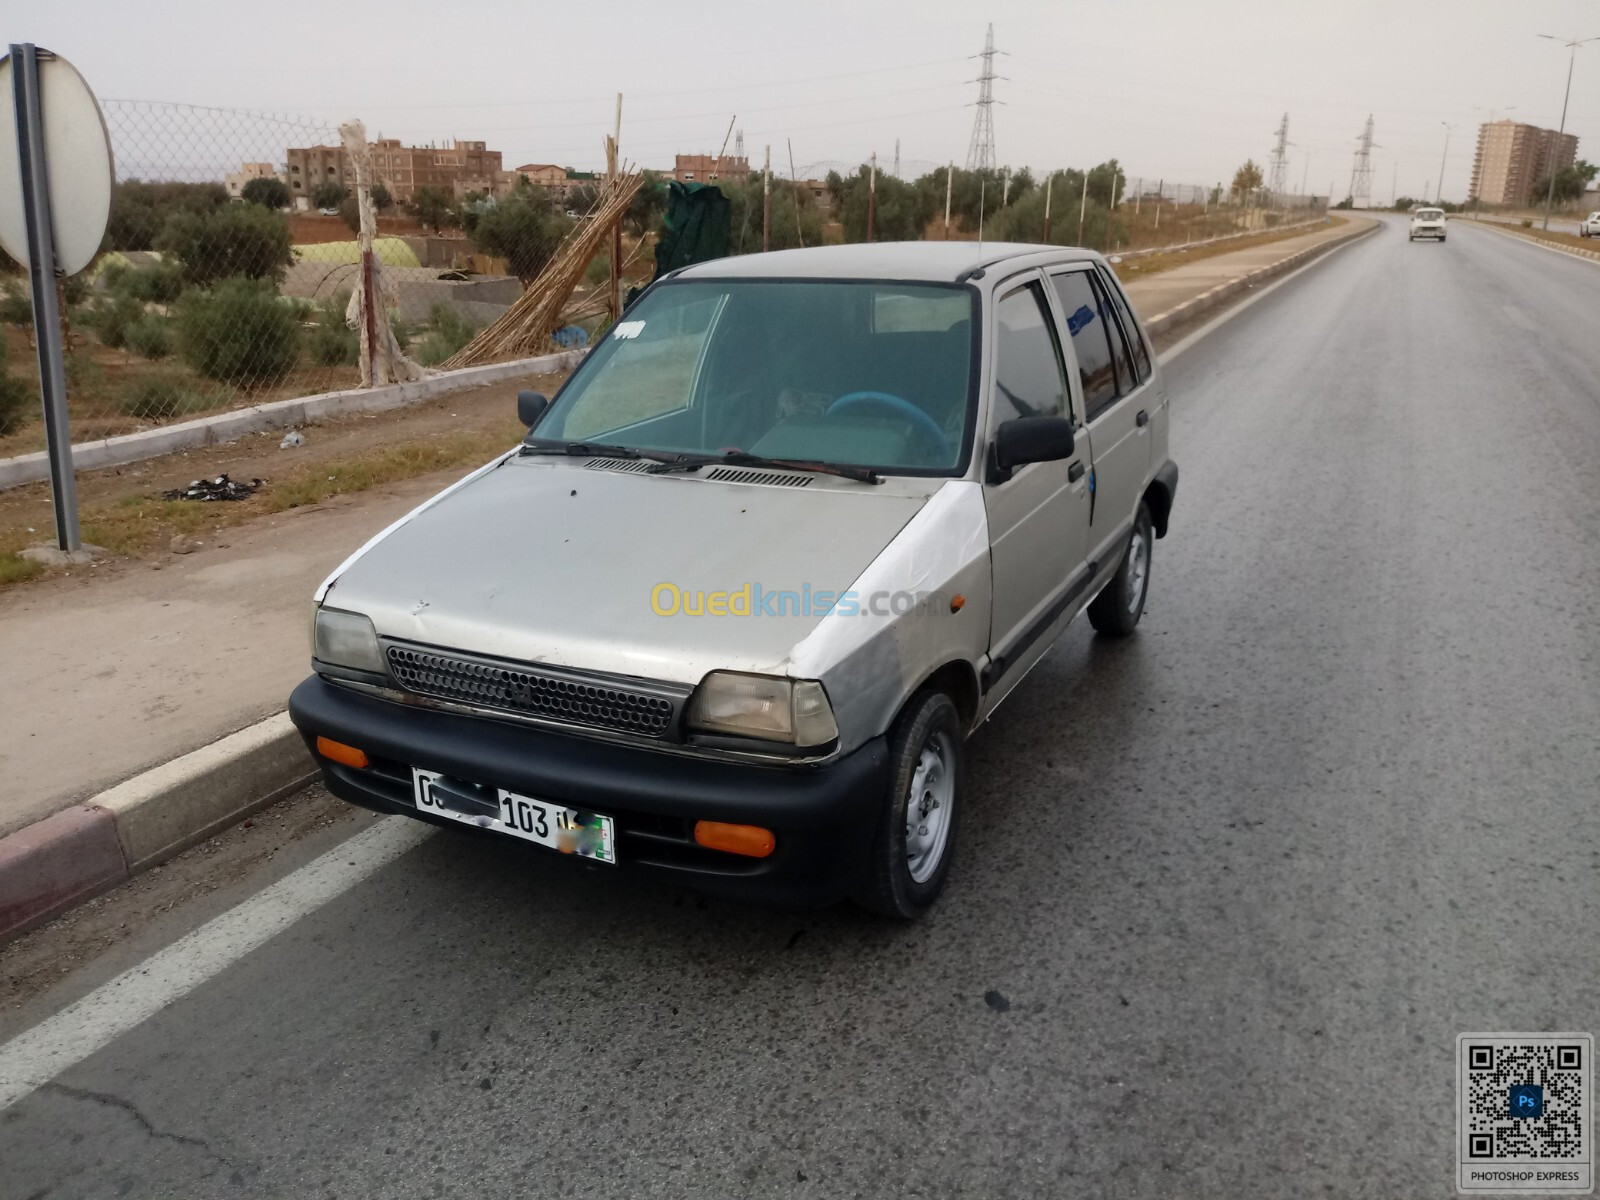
(862, 373)
(1430, 214)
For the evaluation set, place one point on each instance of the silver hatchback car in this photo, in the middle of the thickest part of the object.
(795, 527)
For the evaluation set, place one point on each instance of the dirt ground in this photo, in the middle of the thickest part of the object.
(461, 418)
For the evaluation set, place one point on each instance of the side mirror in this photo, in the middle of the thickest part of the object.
(1024, 440)
(531, 406)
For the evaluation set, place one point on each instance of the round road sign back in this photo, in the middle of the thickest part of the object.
(77, 159)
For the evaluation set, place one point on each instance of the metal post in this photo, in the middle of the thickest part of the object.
(1048, 181)
(42, 276)
(1572, 61)
(1083, 203)
(766, 203)
(949, 178)
(799, 234)
(614, 301)
(872, 195)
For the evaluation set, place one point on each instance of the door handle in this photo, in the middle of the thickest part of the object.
(1075, 472)
(1142, 419)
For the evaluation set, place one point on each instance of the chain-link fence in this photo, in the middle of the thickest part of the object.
(232, 250)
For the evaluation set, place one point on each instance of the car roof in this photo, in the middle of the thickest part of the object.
(933, 262)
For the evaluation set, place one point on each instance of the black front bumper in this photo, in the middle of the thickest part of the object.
(823, 817)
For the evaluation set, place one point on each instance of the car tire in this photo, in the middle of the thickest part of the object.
(1115, 612)
(927, 772)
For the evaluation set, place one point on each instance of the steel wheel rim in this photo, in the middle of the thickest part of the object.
(1138, 569)
(929, 807)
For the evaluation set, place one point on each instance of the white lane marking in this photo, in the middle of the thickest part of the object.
(1212, 326)
(38, 1055)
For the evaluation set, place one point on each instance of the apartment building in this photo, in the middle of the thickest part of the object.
(1513, 157)
(708, 168)
(234, 181)
(401, 169)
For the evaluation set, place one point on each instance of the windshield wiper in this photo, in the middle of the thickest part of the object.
(739, 458)
(582, 449)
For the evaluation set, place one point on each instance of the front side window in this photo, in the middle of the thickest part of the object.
(1087, 325)
(859, 373)
(1028, 376)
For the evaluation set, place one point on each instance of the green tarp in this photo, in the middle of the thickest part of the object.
(698, 222)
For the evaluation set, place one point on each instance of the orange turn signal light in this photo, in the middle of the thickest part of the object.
(752, 841)
(340, 753)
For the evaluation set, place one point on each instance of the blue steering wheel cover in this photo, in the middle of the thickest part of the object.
(904, 407)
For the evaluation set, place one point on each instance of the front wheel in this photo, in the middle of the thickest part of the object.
(921, 813)
(1117, 609)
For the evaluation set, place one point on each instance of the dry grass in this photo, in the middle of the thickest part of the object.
(1152, 264)
(14, 568)
(1539, 235)
(138, 525)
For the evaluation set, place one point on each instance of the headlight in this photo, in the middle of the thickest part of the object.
(346, 639)
(763, 706)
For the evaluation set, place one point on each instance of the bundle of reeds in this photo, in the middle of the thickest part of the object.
(525, 328)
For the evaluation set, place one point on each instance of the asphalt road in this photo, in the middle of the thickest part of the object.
(1227, 895)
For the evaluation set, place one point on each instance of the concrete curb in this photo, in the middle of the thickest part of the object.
(1206, 301)
(1501, 228)
(279, 414)
(63, 860)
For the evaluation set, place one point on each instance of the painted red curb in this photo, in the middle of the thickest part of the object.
(55, 863)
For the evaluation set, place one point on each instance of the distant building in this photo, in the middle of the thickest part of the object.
(1513, 157)
(709, 168)
(559, 181)
(234, 181)
(401, 169)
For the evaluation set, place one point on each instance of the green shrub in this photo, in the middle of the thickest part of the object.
(17, 399)
(150, 336)
(403, 333)
(159, 283)
(598, 271)
(75, 289)
(161, 397)
(239, 239)
(268, 191)
(449, 331)
(112, 318)
(238, 332)
(16, 306)
(330, 342)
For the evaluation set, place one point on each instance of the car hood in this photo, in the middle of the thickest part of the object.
(563, 561)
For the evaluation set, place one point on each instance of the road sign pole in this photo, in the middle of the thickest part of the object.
(42, 276)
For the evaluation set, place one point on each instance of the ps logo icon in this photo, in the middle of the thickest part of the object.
(1527, 1100)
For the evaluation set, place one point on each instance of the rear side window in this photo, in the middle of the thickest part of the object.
(1119, 345)
(1136, 346)
(1028, 377)
(1086, 323)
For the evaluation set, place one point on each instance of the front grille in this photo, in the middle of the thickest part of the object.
(598, 703)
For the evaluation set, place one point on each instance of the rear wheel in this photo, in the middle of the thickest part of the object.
(1117, 609)
(922, 811)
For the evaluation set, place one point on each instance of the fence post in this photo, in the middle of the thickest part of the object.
(42, 276)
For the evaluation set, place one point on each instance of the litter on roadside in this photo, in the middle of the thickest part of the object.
(291, 440)
(220, 488)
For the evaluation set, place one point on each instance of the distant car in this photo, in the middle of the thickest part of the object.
(1427, 223)
(329, 212)
(1590, 225)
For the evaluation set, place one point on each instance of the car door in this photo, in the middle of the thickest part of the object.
(1039, 518)
(1116, 411)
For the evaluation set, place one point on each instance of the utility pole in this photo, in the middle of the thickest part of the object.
(872, 195)
(1048, 180)
(794, 183)
(1438, 191)
(980, 151)
(949, 181)
(897, 158)
(1083, 203)
(613, 165)
(1572, 61)
(766, 203)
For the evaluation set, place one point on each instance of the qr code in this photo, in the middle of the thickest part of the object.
(1526, 1101)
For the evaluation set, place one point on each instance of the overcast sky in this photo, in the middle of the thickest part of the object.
(1183, 90)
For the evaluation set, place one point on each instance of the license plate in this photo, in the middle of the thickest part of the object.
(569, 830)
